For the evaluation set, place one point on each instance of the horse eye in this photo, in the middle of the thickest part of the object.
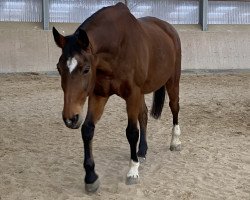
(86, 70)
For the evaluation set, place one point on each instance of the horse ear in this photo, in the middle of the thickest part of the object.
(59, 39)
(83, 39)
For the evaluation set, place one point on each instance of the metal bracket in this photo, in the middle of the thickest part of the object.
(45, 14)
(203, 6)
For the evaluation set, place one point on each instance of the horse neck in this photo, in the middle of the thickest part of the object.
(102, 42)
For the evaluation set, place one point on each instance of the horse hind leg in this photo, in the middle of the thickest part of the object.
(143, 120)
(173, 93)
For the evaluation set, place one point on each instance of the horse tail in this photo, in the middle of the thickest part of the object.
(158, 102)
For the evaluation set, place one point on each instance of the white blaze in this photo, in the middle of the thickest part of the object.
(71, 63)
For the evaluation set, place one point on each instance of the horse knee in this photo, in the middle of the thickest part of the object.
(87, 131)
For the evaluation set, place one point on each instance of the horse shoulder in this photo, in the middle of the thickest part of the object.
(103, 77)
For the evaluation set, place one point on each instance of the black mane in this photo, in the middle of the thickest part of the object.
(93, 16)
(72, 45)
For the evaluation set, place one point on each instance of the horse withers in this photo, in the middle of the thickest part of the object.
(112, 52)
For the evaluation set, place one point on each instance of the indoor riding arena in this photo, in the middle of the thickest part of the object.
(40, 158)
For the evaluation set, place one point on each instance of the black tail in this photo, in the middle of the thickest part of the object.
(158, 102)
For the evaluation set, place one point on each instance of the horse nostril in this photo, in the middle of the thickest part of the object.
(71, 122)
(68, 122)
(75, 119)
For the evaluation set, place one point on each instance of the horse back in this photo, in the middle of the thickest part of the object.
(131, 52)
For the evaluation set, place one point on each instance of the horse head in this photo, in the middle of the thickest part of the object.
(76, 71)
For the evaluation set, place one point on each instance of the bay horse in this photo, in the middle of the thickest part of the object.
(112, 52)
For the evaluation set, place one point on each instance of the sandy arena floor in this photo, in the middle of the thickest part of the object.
(41, 159)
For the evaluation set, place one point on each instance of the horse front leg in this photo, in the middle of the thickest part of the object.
(132, 133)
(95, 109)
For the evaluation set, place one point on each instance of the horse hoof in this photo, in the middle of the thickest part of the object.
(175, 148)
(142, 159)
(132, 180)
(93, 186)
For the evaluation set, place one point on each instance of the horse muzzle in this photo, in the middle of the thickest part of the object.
(74, 122)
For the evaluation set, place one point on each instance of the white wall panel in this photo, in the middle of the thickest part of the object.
(21, 10)
(228, 12)
(75, 11)
(174, 11)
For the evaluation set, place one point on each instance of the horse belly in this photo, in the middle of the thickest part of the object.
(155, 81)
(161, 68)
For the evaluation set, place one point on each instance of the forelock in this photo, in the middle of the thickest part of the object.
(72, 47)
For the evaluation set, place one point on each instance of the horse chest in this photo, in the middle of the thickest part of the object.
(102, 86)
(105, 86)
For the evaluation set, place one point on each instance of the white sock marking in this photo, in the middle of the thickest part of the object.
(176, 132)
(71, 63)
(133, 172)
